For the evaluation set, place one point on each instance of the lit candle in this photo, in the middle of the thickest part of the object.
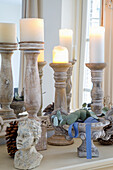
(41, 56)
(31, 30)
(60, 54)
(7, 33)
(97, 45)
(66, 40)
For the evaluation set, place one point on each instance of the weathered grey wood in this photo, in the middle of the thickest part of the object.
(6, 80)
(40, 66)
(42, 144)
(32, 91)
(96, 93)
(60, 76)
(69, 85)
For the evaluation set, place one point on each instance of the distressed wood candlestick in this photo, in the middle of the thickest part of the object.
(32, 91)
(60, 76)
(69, 85)
(96, 93)
(6, 80)
(40, 66)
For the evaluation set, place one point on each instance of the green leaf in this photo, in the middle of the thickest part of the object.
(63, 122)
(71, 119)
(59, 116)
(87, 114)
(84, 105)
(77, 112)
(93, 115)
(52, 117)
(55, 121)
(83, 115)
(104, 110)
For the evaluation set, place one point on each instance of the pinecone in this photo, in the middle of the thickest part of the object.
(106, 142)
(11, 134)
(48, 110)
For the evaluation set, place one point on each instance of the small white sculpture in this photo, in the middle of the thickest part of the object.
(29, 132)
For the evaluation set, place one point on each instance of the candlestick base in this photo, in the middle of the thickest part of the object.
(59, 140)
(96, 93)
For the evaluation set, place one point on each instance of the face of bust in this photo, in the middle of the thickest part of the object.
(25, 138)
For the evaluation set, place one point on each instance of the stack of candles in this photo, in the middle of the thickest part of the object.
(63, 53)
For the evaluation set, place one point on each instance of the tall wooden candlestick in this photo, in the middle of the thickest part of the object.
(60, 77)
(40, 66)
(69, 85)
(32, 91)
(6, 80)
(96, 93)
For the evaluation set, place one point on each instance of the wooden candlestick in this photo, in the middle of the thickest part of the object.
(60, 77)
(96, 93)
(69, 85)
(40, 66)
(6, 80)
(32, 91)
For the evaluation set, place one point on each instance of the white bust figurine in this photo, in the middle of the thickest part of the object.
(29, 132)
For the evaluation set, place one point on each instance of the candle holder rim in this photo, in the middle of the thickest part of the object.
(31, 46)
(60, 64)
(34, 42)
(42, 63)
(6, 43)
(96, 66)
(8, 46)
(101, 122)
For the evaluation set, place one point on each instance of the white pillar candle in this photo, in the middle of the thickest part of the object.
(41, 56)
(31, 30)
(60, 54)
(66, 40)
(7, 33)
(97, 45)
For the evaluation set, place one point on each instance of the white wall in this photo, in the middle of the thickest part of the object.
(10, 12)
(70, 20)
(52, 20)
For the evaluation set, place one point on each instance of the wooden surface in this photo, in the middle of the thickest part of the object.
(6, 85)
(60, 76)
(40, 70)
(32, 91)
(96, 66)
(65, 157)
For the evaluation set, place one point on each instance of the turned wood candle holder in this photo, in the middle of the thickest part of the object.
(96, 93)
(60, 76)
(40, 66)
(69, 85)
(32, 91)
(6, 80)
